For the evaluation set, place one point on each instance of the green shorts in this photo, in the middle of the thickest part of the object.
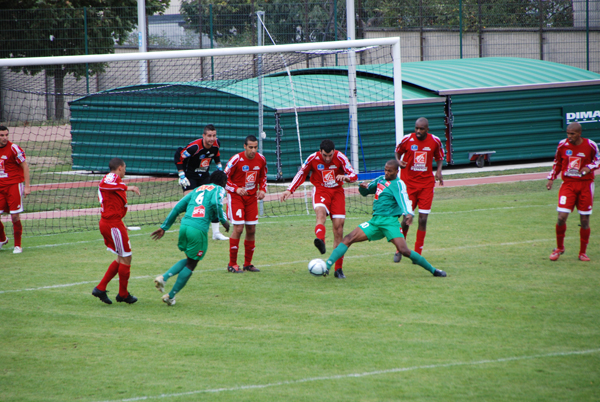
(193, 242)
(382, 226)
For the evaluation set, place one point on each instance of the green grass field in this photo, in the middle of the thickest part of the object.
(506, 324)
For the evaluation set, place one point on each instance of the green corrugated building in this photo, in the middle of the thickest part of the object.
(516, 108)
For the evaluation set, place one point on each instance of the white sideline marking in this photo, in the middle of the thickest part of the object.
(357, 375)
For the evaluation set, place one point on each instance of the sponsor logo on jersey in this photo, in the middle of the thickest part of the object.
(198, 212)
(581, 154)
(420, 162)
(205, 162)
(256, 168)
(332, 167)
(328, 176)
(380, 188)
(426, 149)
(200, 253)
(206, 187)
(4, 157)
(251, 180)
(320, 166)
(569, 152)
(185, 154)
(110, 178)
(245, 168)
(414, 147)
(573, 167)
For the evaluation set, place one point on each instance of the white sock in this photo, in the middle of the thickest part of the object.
(215, 227)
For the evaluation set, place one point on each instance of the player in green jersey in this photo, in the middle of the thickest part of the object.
(391, 201)
(201, 207)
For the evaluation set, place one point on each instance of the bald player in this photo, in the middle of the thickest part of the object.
(415, 154)
(390, 201)
(576, 159)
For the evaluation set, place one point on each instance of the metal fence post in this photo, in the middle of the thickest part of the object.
(87, 70)
(460, 18)
(587, 34)
(212, 60)
(541, 13)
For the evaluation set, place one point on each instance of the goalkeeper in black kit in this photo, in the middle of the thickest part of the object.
(390, 202)
(193, 166)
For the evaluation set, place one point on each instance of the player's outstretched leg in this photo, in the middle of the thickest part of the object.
(337, 253)
(420, 260)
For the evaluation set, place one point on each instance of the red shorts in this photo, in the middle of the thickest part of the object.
(115, 237)
(422, 198)
(578, 194)
(11, 198)
(242, 210)
(333, 199)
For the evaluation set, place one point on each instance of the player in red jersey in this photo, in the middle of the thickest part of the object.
(246, 185)
(576, 158)
(112, 194)
(14, 170)
(329, 170)
(415, 154)
(193, 166)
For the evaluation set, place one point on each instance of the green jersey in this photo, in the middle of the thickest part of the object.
(201, 207)
(391, 198)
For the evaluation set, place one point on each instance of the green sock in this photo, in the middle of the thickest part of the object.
(175, 269)
(338, 253)
(420, 260)
(182, 279)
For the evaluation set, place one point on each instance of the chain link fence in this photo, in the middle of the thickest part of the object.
(564, 31)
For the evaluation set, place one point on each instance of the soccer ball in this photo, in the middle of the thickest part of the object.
(317, 267)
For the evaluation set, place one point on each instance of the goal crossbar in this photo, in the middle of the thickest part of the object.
(103, 58)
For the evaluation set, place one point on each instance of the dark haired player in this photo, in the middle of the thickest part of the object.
(390, 202)
(14, 187)
(112, 194)
(576, 158)
(246, 185)
(193, 165)
(202, 205)
(329, 169)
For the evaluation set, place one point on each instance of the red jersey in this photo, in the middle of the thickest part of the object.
(248, 173)
(11, 157)
(419, 156)
(112, 194)
(322, 174)
(570, 159)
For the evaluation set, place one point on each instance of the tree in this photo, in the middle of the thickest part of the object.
(48, 28)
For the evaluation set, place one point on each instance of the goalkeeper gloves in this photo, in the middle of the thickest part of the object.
(183, 181)
(219, 166)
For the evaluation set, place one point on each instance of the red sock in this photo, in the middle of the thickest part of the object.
(124, 272)
(339, 263)
(560, 236)
(420, 241)
(248, 252)
(584, 238)
(233, 250)
(18, 231)
(320, 232)
(2, 234)
(112, 270)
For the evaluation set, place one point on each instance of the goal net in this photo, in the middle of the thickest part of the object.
(78, 112)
